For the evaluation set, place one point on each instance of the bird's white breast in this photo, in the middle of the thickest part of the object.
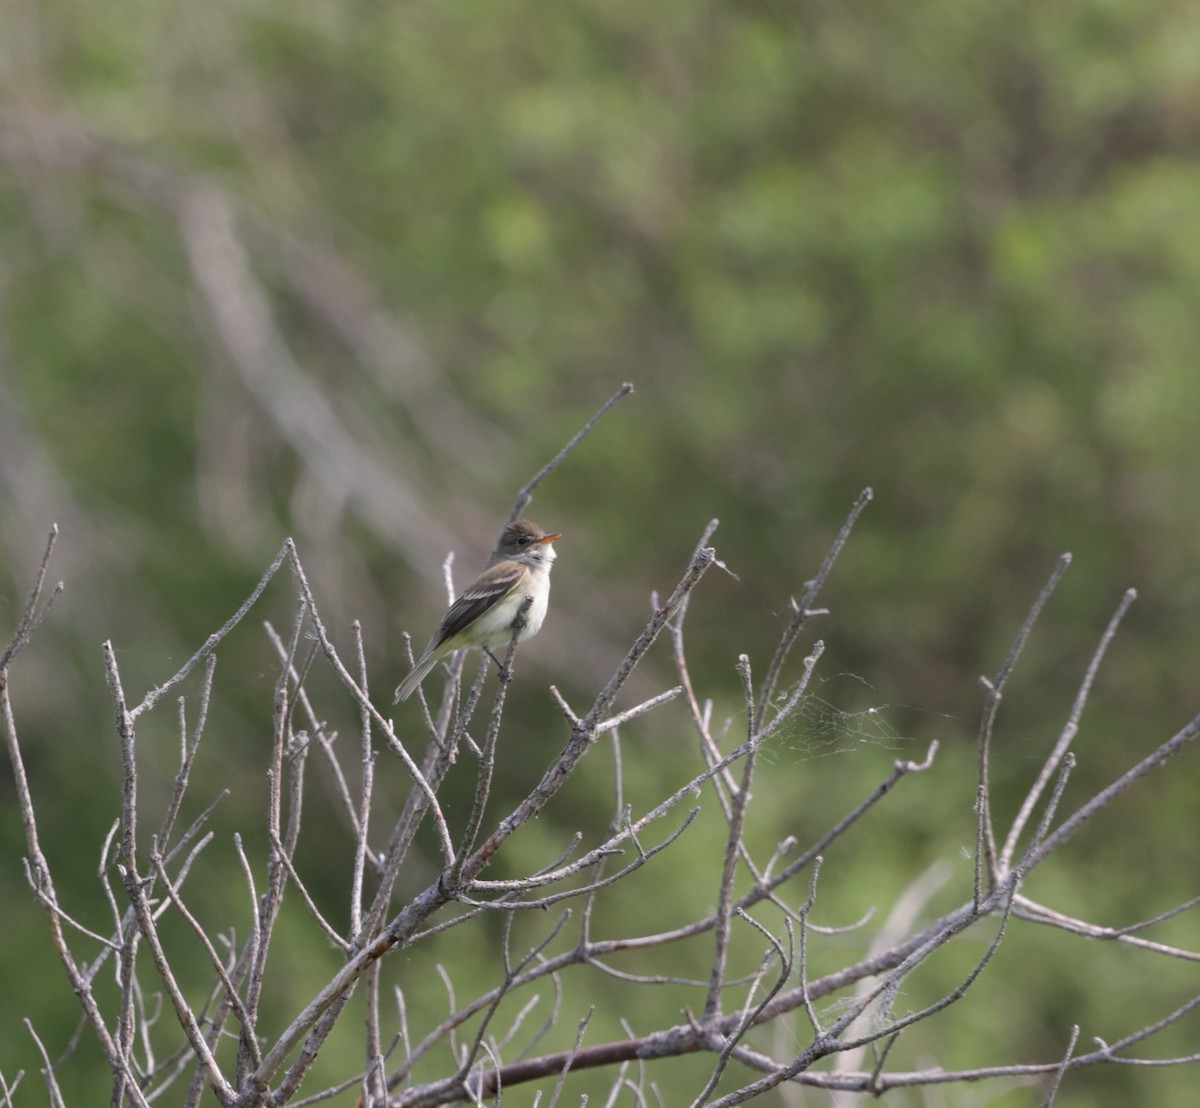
(493, 629)
(537, 610)
(539, 589)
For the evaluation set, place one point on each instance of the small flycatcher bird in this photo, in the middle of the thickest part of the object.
(484, 615)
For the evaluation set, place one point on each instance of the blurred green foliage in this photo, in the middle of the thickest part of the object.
(947, 251)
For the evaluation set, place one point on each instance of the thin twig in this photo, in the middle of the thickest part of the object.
(803, 608)
(52, 1086)
(31, 618)
(1067, 830)
(986, 837)
(1062, 1069)
(362, 823)
(214, 640)
(1068, 734)
(231, 994)
(526, 494)
(733, 846)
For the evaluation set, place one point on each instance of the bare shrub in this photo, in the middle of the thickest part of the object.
(220, 1037)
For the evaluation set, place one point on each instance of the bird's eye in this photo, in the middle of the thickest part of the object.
(524, 540)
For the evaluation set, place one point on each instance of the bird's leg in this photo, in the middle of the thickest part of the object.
(518, 625)
(501, 668)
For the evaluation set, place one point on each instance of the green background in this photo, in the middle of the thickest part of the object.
(949, 251)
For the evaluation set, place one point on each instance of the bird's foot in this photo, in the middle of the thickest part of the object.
(502, 671)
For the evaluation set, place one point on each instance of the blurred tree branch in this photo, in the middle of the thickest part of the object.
(401, 489)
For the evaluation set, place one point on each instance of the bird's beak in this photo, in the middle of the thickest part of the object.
(549, 538)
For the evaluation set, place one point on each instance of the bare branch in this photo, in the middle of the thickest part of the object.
(52, 1087)
(1062, 1069)
(214, 640)
(1101, 800)
(231, 993)
(733, 850)
(803, 608)
(640, 709)
(31, 618)
(1068, 733)
(526, 494)
(485, 1041)
(995, 690)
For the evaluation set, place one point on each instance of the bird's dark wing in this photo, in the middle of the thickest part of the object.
(495, 584)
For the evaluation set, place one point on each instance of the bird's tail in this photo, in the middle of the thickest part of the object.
(409, 685)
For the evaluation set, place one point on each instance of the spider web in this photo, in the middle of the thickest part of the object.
(839, 715)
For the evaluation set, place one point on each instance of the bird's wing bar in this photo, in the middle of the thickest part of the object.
(485, 594)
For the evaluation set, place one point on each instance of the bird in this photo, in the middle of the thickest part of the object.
(485, 614)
